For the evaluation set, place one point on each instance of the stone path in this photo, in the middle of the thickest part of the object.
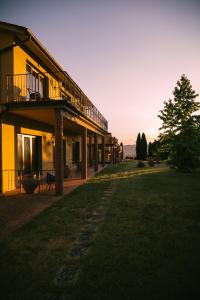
(70, 272)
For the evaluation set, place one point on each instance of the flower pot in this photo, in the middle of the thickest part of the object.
(66, 171)
(29, 183)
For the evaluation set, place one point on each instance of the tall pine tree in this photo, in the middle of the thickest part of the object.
(150, 154)
(180, 131)
(122, 150)
(143, 147)
(138, 147)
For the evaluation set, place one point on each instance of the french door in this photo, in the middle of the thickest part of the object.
(29, 153)
(34, 84)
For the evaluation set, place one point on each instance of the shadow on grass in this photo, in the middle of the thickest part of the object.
(147, 246)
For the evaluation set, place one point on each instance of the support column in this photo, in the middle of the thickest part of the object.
(116, 157)
(1, 173)
(103, 151)
(95, 152)
(84, 153)
(90, 151)
(113, 155)
(58, 152)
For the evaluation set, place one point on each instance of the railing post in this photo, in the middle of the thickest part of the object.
(39, 180)
(7, 88)
(84, 153)
(103, 150)
(90, 151)
(20, 181)
(95, 152)
(58, 152)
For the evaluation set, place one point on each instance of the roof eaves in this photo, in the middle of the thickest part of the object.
(12, 27)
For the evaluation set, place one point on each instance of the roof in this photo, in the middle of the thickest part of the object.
(24, 31)
(24, 35)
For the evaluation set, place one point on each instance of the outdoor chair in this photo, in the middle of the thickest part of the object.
(50, 180)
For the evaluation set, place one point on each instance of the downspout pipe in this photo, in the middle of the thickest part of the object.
(3, 108)
(7, 48)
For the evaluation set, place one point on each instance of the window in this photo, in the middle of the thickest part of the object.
(34, 84)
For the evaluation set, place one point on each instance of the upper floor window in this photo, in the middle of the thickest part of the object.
(34, 84)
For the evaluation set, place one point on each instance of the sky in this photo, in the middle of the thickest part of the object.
(125, 55)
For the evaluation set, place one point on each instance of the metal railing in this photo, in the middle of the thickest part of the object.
(12, 180)
(51, 86)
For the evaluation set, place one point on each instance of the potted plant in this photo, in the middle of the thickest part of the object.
(29, 183)
(67, 171)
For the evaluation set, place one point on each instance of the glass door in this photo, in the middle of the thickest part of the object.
(29, 153)
(34, 84)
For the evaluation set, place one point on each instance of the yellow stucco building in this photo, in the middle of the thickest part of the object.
(47, 123)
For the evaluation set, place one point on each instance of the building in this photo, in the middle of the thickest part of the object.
(113, 150)
(48, 125)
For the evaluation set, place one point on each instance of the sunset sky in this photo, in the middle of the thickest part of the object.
(125, 55)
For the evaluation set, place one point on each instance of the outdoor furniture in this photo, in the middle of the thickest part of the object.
(35, 96)
(50, 180)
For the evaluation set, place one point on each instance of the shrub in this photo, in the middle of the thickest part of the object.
(151, 163)
(129, 157)
(140, 164)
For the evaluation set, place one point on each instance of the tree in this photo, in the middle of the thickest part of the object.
(157, 150)
(122, 150)
(143, 146)
(180, 131)
(150, 154)
(138, 147)
(185, 151)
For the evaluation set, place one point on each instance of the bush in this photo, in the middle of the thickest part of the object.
(185, 152)
(140, 164)
(151, 163)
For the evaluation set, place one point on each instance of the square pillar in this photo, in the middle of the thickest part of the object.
(1, 173)
(59, 152)
(90, 151)
(84, 153)
(103, 151)
(112, 155)
(95, 152)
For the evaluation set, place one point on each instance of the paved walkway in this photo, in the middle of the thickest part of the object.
(18, 209)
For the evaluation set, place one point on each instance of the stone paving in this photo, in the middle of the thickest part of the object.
(69, 273)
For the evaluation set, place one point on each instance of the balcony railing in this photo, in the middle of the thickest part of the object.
(12, 179)
(51, 86)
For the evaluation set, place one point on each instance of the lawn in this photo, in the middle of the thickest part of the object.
(126, 234)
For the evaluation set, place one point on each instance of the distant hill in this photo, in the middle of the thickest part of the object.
(129, 150)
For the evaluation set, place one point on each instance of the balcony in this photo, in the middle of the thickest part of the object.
(34, 86)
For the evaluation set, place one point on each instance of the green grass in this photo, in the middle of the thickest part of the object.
(147, 245)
